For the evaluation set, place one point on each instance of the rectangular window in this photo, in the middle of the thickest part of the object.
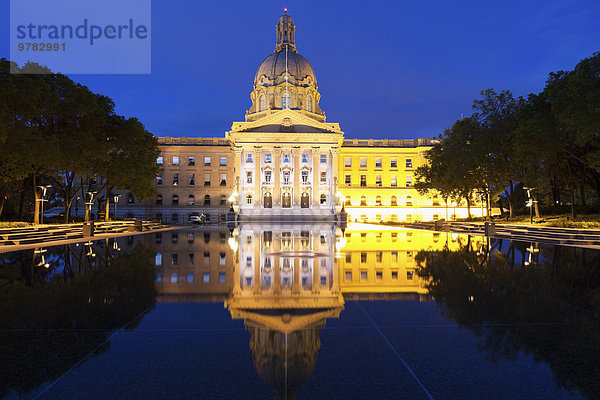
(378, 180)
(222, 277)
(348, 180)
(193, 180)
(394, 163)
(395, 275)
(363, 257)
(408, 163)
(206, 258)
(286, 158)
(175, 160)
(249, 158)
(286, 177)
(249, 177)
(223, 162)
(206, 179)
(348, 258)
(207, 161)
(305, 158)
(378, 162)
(363, 180)
(159, 180)
(323, 158)
(347, 162)
(348, 276)
(206, 277)
(323, 178)
(379, 275)
(159, 160)
(190, 277)
(436, 217)
(409, 181)
(409, 275)
(305, 176)
(363, 275)
(379, 256)
(222, 258)
(267, 158)
(223, 179)
(267, 176)
(363, 163)
(191, 161)
(394, 181)
(174, 277)
(176, 180)
(394, 256)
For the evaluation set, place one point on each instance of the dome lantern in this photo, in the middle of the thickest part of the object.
(286, 33)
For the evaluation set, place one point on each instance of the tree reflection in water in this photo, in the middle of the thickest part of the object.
(546, 306)
(56, 312)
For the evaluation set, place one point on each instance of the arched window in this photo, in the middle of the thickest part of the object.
(159, 199)
(309, 106)
(323, 198)
(348, 202)
(363, 200)
(394, 201)
(207, 200)
(223, 201)
(175, 200)
(378, 200)
(409, 201)
(285, 100)
(249, 199)
(262, 103)
(191, 200)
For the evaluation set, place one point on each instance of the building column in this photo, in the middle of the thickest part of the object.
(334, 189)
(277, 177)
(315, 184)
(257, 177)
(296, 155)
(296, 283)
(237, 174)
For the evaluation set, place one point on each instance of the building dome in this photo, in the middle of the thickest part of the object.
(272, 69)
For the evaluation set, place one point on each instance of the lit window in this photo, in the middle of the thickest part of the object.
(286, 158)
(436, 201)
(323, 158)
(267, 176)
(176, 180)
(285, 100)
(408, 218)
(190, 276)
(206, 277)
(304, 176)
(436, 217)
(363, 200)
(348, 276)
(409, 181)
(305, 158)
(159, 180)
(158, 259)
(348, 162)
(193, 180)
(348, 202)
(409, 201)
(223, 162)
(159, 160)
(249, 158)
(191, 161)
(323, 178)
(249, 177)
(206, 179)
(223, 179)
(363, 275)
(268, 158)
(394, 201)
(348, 180)
(378, 200)
(286, 177)
(363, 180)
(409, 275)
(207, 161)
(394, 181)
(393, 163)
(262, 103)
(363, 163)
(378, 163)
(174, 274)
(249, 199)
(408, 163)
(378, 180)
(175, 160)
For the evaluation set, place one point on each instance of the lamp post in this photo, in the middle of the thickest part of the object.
(530, 202)
(115, 201)
(454, 204)
(89, 203)
(77, 207)
(43, 189)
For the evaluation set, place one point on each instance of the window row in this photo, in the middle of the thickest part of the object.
(189, 277)
(191, 161)
(191, 201)
(364, 275)
(378, 180)
(190, 237)
(285, 102)
(393, 201)
(286, 158)
(286, 176)
(192, 180)
(378, 162)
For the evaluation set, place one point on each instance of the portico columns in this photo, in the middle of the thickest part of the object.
(316, 153)
(257, 177)
(277, 177)
(296, 155)
(335, 151)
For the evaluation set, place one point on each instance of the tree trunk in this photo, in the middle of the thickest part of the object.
(573, 213)
(468, 206)
(36, 212)
(582, 194)
(510, 204)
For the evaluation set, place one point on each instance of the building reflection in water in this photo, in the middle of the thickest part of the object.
(286, 280)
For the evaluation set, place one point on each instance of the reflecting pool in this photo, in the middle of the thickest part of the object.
(300, 311)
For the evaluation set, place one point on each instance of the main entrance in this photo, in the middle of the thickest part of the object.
(304, 200)
(268, 200)
(286, 200)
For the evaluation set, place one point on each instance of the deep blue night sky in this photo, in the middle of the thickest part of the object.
(395, 69)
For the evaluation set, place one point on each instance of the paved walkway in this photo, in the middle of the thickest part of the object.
(15, 239)
(589, 238)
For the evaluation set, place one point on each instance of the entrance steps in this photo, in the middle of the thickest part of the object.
(287, 214)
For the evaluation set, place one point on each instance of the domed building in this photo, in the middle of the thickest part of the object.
(285, 79)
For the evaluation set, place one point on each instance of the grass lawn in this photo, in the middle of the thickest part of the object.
(583, 221)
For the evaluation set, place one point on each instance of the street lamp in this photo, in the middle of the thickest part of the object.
(454, 204)
(77, 207)
(530, 203)
(89, 203)
(43, 189)
(115, 201)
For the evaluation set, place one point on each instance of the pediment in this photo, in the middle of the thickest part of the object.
(285, 121)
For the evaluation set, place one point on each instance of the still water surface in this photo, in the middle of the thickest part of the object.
(304, 311)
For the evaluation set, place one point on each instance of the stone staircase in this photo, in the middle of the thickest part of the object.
(285, 215)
